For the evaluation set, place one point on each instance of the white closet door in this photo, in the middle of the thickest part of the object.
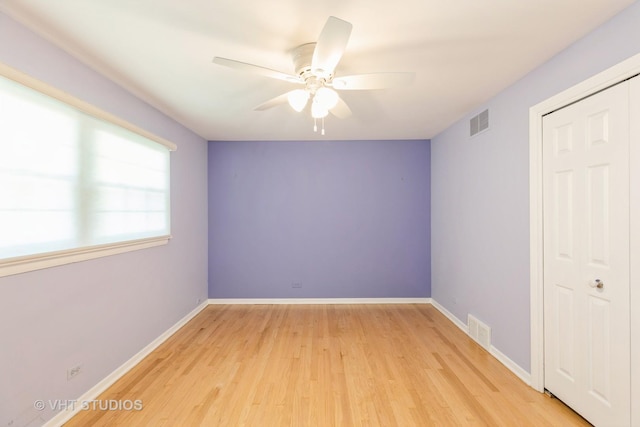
(586, 256)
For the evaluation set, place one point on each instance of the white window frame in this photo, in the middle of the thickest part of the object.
(27, 263)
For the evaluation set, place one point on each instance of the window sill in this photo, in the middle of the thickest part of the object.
(25, 264)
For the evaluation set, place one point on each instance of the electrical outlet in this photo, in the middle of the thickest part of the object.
(296, 285)
(73, 372)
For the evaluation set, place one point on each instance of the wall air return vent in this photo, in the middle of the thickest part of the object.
(479, 123)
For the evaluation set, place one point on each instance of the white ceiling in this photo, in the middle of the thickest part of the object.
(462, 51)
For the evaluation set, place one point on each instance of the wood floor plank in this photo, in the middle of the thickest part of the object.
(324, 365)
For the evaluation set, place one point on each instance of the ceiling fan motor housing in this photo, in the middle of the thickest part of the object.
(302, 59)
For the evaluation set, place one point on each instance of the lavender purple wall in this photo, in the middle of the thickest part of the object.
(97, 313)
(344, 219)
(480, 191)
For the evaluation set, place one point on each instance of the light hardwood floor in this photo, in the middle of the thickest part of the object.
(324, 365)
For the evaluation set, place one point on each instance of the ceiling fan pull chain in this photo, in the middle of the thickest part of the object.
(323, 126)
(315, 124)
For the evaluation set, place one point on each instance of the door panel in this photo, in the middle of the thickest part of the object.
(586, 256)
(564, 215)
(566, 328)
(599, 345)
(598, 215)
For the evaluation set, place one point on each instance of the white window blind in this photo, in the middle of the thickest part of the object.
(69, 180)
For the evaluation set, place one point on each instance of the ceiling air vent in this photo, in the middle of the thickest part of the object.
(479, 123)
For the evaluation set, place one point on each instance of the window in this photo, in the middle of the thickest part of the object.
(73, 184)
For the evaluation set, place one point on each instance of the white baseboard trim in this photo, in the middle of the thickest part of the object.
(62, 417)
(501, 357)
(460, 324)
(252, 301)
(513, 366)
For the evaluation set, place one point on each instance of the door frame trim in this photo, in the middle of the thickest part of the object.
(622, 71)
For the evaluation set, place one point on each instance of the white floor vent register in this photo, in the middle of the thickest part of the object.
(480, 332)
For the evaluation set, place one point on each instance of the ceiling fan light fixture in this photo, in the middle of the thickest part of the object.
(298, 99)
(317, 110)
(327, 98)
(315, 64)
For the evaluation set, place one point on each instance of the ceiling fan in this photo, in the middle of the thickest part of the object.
(315, 65)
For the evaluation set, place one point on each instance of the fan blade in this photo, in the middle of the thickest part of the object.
(256, 69)
(274, 102)
(341, 110)
(330, 46)
(372, 81)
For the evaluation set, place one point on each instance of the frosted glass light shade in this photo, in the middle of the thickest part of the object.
(298, 99)
(327, 98)
(318, 111)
